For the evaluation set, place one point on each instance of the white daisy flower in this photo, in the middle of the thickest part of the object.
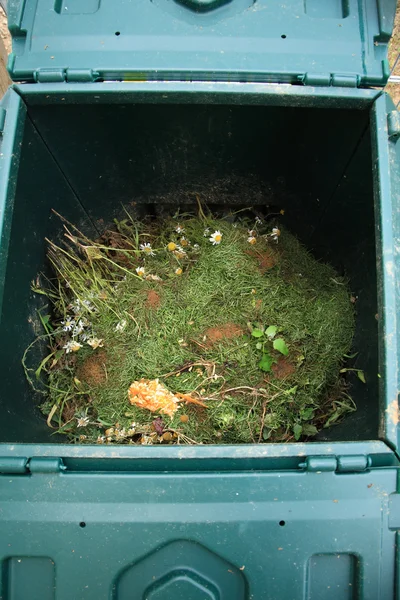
(180, 252)
(100, 439)
(87, 304)
(120, 433)
(84, 337)
(76, 306)
(206, 232)
(258, 221)
(251, 232)
(79, 327)
(140, 271)
(72, 346)
(68, 324)
(121, 325)
(275, 234)
(95, 343)
(252, 239)
(178, 271)
(184, 242)
(83, 421)
(147, 249)
(179, 229)
(196, 246)
(216, 238)
(153, 278)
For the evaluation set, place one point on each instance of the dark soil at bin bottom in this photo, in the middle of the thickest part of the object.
(192, 329)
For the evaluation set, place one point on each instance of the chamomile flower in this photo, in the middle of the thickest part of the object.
(151, 277)
(178, 271)
(196, 246)
(100, 439)
(140, 271)
(252, 240)
(84, 337)
(180, 252)
(83, 421)
(147, 249)
(121, 325)
(72, 346)
(120, 434)
(184, 242)
(68, 324)
(251, 232)
(171, 247)
(206, 232)
(76, 306)
(258, 221)
(179, 229)
(87, 304)
(216, 238)
(275, 234)
(79, 327)
(95, 343)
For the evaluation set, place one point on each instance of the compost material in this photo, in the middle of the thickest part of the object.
(191, 329)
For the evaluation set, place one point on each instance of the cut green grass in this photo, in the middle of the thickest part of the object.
(187, 316)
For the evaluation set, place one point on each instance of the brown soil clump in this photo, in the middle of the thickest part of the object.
(217, 335)
(266, 260)
(69, 411)
(92, 371)
(153, 300)
(283, 368)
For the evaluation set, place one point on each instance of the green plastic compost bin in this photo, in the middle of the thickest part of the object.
(143, 101)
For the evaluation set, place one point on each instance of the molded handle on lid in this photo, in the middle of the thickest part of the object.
(203, 5)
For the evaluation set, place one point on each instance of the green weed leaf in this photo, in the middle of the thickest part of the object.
(271, 331)
(350, 355)
(361, 376)
(297, 431)
(291, 391)
(266, 362)
(307, 414)
(309, 429)
(259, 345)
(266, 433)
(45, 321)
(280, 345)
(257, 333)
(42, 364)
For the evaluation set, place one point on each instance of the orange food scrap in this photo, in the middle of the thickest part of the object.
(152, 395)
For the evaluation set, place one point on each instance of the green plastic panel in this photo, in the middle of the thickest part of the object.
(198, 535)
(386, 151)
(315, 42)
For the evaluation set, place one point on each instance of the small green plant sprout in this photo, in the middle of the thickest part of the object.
(359, 372)
(265, 338)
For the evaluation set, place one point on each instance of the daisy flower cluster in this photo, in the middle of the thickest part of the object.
(78, 326)
(253, 233)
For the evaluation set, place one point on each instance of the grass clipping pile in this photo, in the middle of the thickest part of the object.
(191, 330)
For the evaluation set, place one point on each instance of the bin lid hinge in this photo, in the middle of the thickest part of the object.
(22, 465)
(43, 75)
(331, 79)
(337, 464)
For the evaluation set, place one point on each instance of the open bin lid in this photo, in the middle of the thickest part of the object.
(314, 42)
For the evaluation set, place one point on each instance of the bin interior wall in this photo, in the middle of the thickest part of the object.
(87, 161)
